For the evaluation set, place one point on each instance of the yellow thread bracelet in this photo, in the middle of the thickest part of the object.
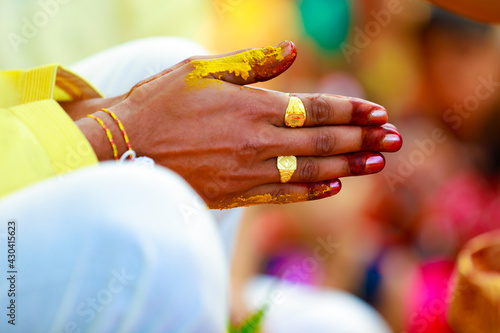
(108, 134)
(120, 125)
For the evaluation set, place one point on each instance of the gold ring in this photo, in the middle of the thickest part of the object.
(295, 115)
(286, 166)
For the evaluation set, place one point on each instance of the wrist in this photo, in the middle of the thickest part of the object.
(96, 137)
(104, 134)
(80, 109)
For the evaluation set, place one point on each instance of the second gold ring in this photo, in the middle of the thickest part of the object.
(286, 166)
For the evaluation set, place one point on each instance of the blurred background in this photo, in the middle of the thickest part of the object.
(397, 233)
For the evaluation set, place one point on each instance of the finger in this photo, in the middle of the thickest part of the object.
(265, 64)
(281, 194)
(323, 109)
(390, 127)
(156, 76)
(316, 169)
(245, 66)
(333, 140)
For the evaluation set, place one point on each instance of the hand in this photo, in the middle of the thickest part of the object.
(198, 120)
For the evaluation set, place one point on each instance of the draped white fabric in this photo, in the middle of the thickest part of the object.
(114, 248)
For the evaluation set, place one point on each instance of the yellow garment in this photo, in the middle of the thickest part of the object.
(37, 138)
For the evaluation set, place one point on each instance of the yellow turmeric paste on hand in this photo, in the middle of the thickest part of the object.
(318, 192)
(241, 64)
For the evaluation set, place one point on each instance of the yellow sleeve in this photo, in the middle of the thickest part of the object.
(37, 138)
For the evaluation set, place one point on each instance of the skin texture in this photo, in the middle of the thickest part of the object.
(223, 138)
(481, 10)
(78, 110)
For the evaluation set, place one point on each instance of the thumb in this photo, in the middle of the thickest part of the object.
(246, 66)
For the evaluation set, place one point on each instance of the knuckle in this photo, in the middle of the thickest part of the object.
(355, 165)
(309, 172)
(190, 63)
(192, 59)
(324, 142)
(265, 136)
(320, 110)
(278, 191)
(248, 150)
(254, 113)
(350, 169)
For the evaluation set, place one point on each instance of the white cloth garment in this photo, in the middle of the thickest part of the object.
(114, 71)
(298, 308)
(113, 248)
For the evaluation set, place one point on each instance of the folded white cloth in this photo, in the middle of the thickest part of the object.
(113, 248)
(299, 308)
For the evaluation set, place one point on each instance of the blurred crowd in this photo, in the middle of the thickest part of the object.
(396, 234)
(392, 238)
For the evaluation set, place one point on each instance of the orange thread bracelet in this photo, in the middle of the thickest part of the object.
(120, 125)
(108, 134)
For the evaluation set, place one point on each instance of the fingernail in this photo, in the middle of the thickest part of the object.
(334, 188)
(287, 48)
(390, 127)
(378, 117)
(392, 142)
(324, 189)
(374, 164)
(335, 185)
